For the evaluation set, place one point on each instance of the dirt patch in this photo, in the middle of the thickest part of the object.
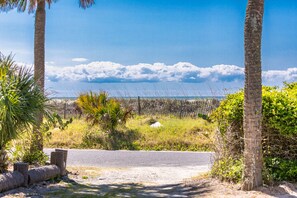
(144, 182)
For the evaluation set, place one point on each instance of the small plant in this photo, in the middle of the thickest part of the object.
(36, 157)
(19, 149)
(228, 169)
(203, 116)
(103, 111)
(55, 120)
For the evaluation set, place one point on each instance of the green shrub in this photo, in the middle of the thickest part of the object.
(281, 169)
(101, 110)
(279, 131)
(279, 109)
(275, 169)
(228, 169)
(36, 157)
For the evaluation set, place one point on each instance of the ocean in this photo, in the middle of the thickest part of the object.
(174, 90)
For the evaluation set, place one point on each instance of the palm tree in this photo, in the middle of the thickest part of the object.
(20, 99)
(102, 111)
(253, 162)
(38, 6)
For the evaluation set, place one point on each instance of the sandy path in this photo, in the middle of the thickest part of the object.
(148, 175)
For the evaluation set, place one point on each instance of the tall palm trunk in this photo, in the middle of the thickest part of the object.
(253, 162)
(39, 57)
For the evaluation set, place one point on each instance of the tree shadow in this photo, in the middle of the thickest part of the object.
(279, 189)
(74, 189)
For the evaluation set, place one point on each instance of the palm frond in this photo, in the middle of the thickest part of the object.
(86, 3)
(20, 99)
(100, 110)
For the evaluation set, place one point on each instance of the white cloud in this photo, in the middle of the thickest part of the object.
(142, 72)
(284, 75)
(50, 63)
(158, 72)
(79, 59)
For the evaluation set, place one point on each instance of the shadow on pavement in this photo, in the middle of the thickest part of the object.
(74, 189)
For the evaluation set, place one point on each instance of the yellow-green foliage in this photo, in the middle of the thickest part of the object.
(99, 109)
(72, 136)
(175, 134)
(279, 109)
(228, 169)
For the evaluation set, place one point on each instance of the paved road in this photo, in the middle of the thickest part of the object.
(101, 158)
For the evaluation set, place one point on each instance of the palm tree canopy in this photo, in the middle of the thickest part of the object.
(31, 5)
(20, 99)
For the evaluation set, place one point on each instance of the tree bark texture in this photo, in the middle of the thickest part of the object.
(39, 67)
(3, 160)
(43, 173)
(11, 180)
(253, 162)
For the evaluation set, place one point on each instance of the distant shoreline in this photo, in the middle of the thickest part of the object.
(153, 97)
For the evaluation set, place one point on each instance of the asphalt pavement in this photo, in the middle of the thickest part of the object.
(103, 158)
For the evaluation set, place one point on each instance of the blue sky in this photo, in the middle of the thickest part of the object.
(121, 35)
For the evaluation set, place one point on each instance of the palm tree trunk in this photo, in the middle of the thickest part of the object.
(39, 58)
(3, 160)
(253, 162)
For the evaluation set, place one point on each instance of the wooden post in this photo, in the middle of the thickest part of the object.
(65, 109)
(139, 107)
(65, 156)
(57, 158)
(181, 109)
(23, 169)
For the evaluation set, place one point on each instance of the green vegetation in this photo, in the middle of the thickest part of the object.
(174, 134)
(281, 169)
(228, 169)
(20, 100)
(36, 157)
(102, 111)
(279, 109)
(279, 134)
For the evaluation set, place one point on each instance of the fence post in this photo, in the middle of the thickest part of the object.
(139, 107)
(65, 157)
(65, 109)
(180, 109)
(57, 158)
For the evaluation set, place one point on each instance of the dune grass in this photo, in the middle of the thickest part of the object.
(174, 134)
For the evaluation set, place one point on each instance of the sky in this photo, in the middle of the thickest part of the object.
(153, 47)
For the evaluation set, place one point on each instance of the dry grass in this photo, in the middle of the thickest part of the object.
(174, 134)
(71, 137)
(79, 172)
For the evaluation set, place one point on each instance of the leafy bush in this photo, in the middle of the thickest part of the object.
(101, 110)
(279, 110)
(36, 157)
(275, 169)
(228, 169)
(281, 169)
